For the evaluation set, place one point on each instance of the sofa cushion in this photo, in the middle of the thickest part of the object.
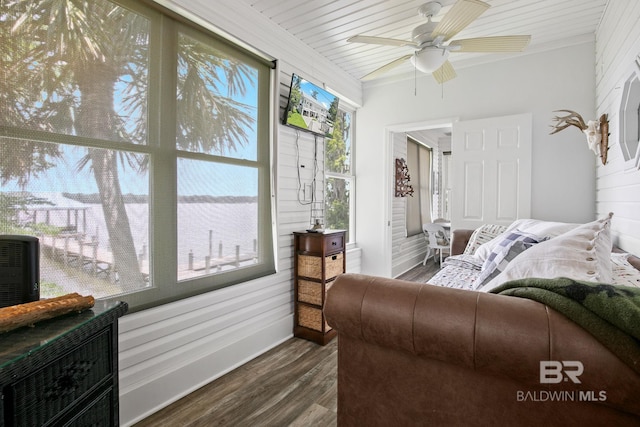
(583, 253)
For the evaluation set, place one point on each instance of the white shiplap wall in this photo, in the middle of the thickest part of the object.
(618, 184)
(168, 351)
(408, 251)
(404, 247)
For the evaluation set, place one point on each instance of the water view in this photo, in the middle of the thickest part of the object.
(76, 254)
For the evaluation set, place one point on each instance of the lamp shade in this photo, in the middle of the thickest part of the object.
(429, 59)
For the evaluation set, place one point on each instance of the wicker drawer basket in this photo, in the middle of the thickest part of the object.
(311, 317)
(40, 396)
(311, 292)
(311, 266)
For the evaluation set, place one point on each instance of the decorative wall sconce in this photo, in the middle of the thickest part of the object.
(403, 188)
(597, 132)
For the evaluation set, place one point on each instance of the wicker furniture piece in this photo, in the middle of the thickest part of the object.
(62, 371)
(319, 259)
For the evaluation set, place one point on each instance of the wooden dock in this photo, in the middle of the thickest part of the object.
(75, 250)
(73, 247)
(210, 263)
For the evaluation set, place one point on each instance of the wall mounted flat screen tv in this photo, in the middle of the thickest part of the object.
(310, 108)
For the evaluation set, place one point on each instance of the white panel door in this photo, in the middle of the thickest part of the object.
(491, 171)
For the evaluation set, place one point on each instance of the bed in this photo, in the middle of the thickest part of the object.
(495, 254)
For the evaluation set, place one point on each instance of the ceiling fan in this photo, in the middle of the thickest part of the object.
(428, 39)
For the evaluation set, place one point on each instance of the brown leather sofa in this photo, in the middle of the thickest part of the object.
(417, 354)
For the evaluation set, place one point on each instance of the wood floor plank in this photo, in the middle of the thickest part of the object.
(298, 396)
(273, 389)
(421, 273)
(293, 384)
(317, 416)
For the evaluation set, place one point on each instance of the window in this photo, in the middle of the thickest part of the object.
(419, 206)
(135, 147)
(339, 175)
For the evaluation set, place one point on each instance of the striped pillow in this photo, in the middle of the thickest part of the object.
(482, 235)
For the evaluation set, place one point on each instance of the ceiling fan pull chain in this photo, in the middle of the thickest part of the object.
(415, 78)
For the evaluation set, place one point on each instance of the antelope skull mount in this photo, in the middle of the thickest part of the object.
(597, 132)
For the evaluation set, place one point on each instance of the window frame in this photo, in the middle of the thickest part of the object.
(164, 155)
(418, 177)
(350, 177)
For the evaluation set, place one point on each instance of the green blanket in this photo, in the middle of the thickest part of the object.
(610, 313)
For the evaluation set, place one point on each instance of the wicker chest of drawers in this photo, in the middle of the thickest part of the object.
(63, 371)
(318, 259)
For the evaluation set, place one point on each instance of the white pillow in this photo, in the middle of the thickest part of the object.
(542, 228)
(583, 253)
(538, 227)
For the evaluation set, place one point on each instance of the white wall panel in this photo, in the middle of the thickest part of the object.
(617, 184)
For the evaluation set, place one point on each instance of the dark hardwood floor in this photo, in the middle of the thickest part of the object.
(421, 273)
(294, 384)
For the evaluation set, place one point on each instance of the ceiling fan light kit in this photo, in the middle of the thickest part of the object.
(429, 59)
(430, 40)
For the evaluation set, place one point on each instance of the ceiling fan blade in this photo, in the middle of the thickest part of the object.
(463, 13)
(491, 44)
(444, 73)
(391, 65)
(380, 40)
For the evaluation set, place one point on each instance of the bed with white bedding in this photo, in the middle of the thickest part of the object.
(497, 254)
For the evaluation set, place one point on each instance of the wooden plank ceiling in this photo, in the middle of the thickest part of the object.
(325, 25)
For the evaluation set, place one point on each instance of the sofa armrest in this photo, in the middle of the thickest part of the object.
(471, 329)
(498, 335)
(459, 240)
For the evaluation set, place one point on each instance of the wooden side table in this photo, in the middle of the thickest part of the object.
(318, 259)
